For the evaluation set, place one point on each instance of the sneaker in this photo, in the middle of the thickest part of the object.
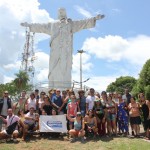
(82, 139)
(73, 140)
(8, 140)
(15, 140)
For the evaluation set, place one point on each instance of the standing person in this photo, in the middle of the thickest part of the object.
(54, 93)
(145, 107)
(90, 100)
(5, 104)
(47, 106)
(122, 116)
(64, 95)
(103, 98)
(40, 102)
(19, 107)
(111, 115)
(73, 107)
(12, 126)
(57, 100)
(101, 114)
(134, 112)
(24, 95)
(127, 96)
(82, 102)
(31, 102)
(36, 92)
(115, 98)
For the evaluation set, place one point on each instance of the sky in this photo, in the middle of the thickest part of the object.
(118, 45)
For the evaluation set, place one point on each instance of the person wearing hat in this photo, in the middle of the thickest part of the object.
(78, 130)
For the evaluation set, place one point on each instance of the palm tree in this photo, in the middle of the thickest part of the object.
(21, 80)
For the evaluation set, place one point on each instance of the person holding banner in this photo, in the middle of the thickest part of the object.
(78, 130)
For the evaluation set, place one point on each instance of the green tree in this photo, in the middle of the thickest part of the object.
(143, 83)
(121, 83)
(21, 81)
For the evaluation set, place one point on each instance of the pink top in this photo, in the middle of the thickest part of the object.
(72, 108)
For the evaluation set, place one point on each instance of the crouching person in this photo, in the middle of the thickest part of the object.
(78, 130)
(11, 131)
(31, 122)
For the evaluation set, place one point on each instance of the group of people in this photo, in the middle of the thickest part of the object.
(87, 113)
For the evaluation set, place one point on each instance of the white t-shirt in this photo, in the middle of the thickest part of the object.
(31, 103)
(30, 122)
(90, 100)
(124, 98)
(12, 119)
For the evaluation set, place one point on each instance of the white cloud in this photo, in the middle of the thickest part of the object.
(12, 35)
(15, 65)
(116, 10)
(86, 64)
(110, 47)
(8, 79)
(83, 12)
(41, 75)
(134, 50)
(41, 60)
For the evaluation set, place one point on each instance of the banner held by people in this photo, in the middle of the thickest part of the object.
(53, 123)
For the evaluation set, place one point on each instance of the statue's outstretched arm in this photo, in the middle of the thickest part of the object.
(85, 23)
(38, 27)
(99, 16)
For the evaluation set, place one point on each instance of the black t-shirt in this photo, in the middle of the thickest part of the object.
(145, 111)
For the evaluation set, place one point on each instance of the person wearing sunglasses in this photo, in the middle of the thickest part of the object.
(78, 131)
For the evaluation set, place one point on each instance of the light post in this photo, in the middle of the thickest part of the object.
(80, 52)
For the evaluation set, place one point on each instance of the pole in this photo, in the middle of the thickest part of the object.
(80, 52)
(80, 70)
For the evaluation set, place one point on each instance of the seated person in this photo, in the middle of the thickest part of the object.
(30, 122)
(91, 123)
(11, 130)
(78, 130)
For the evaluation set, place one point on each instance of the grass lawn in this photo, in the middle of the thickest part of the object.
(117, 143)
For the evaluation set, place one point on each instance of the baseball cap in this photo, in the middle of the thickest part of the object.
(78, 113)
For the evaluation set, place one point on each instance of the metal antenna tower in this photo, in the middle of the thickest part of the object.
(28, 55)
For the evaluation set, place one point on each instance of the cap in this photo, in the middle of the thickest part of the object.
(6, 92)
(31, 107)
(78, 113)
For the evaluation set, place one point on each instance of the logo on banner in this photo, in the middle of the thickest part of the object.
(54, 124)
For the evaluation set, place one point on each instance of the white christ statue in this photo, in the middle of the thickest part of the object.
(61, 44)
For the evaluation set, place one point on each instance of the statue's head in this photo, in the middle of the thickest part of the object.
(62, 14)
